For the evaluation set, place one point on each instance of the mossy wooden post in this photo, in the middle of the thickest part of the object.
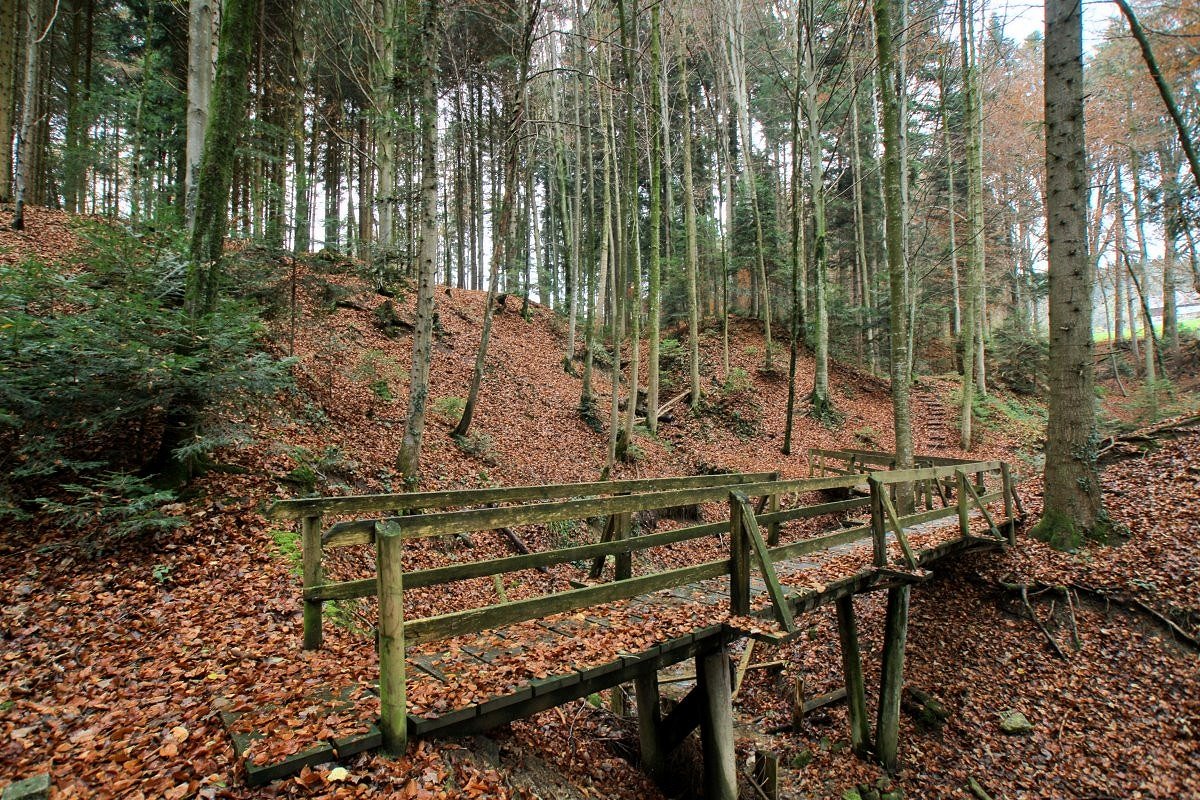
(1007, 491)
(310, 549)
(623, 562)
(773, 502)
(649, 723)
(739, 556)
(878, 525)
(390, 577)
(964, 508)
(716, 726)
(856, 698)
(891, 683)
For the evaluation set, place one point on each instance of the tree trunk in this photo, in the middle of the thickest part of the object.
(1073, 505)
(969, 333)
(657, 179)
(408, 461)
(10, 37)
(689, 226)
(226, 118)
(819, 399)
(500, 235)
(893, 172)
(26, 141)
(199, 91)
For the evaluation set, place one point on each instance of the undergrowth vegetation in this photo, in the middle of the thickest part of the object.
(107, 385)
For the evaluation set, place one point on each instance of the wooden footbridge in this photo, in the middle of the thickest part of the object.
(471, 670)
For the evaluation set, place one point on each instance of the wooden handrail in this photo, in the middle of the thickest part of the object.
(299, 508)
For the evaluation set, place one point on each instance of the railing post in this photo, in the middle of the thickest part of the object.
(623, 562)
(964, 509)
(739, 555)
(389, 545)
(1006, 490)
(878, 526)
(772, 508)
(310, 550)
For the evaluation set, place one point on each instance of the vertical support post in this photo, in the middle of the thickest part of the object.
(773, 504)
(878, 526)
(623, 562)
(716, 726)
(1007, 491)
(739, 555)
(856, 698)
(649, 721)
(964, 509)
(310, 549)
(389, 545)
(891, 683)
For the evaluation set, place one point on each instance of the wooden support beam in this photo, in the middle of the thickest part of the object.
(682, 720)
(860, 726)
(1006, 489)
(392, 700)
(716, 724)
(609, 533)
(895, 634)
(983, 508)
(878, 528)
(623, 531)
(312, 576)
(649, 724)
(901, 537)
(783, 612)
(739, 556)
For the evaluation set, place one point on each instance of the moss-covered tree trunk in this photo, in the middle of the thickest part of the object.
(227, 116)
(1073, 504)
(10, 34)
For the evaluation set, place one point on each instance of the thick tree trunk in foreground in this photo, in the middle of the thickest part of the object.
(1073, 507)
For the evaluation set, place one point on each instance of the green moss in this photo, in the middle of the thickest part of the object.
(1063, 533)
(287, 543)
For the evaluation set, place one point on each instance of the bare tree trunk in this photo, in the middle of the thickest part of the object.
(689, 226)
(10, 36)
(500, 236)
(819, 399)
(971, 321)
(408, 462)
(893, 175)
(26, 141)
(199, 90)
(736, 41)
(1073, 504)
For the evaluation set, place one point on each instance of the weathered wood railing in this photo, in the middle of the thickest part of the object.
(314, 539)
(747, 547)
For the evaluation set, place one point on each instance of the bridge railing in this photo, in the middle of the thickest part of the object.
(747, 547)
(315, 539)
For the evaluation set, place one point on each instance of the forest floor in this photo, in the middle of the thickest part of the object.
(114, 666)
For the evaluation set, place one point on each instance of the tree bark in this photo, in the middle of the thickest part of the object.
(408, 462)
(199, 91)
(893, 171)
(1073, 505)
(26, 141)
